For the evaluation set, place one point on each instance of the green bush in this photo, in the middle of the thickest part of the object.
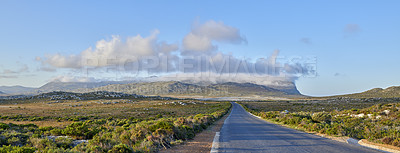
(42, 144)
(16, 149)
(161, 125)
(63, 142)
(121, 148)
(4, 126)
(184, 132)
(80, 130)
(321, 117)
(56, 132)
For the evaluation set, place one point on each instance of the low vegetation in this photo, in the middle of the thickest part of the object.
(103, 125)
(378, 123)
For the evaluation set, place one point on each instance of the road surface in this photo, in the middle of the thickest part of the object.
(243, 132)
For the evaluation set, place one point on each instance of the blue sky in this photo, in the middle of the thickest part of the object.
(356, 43)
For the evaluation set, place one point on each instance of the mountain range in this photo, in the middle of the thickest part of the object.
(187, 88)
(176, 88)
(55, 86)
(165, 88)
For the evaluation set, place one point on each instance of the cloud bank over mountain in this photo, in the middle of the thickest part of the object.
(197, 58)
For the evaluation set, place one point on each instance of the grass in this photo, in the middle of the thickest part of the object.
(312, 105)
(53, 112)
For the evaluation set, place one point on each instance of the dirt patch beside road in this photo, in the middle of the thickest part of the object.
(383, 147)
(202, 142)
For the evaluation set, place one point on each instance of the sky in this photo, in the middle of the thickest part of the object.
(326, 48)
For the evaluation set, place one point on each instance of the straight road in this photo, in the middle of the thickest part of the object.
(243, 132)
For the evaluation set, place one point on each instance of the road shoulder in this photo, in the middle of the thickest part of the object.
(384, 147)
(202, 142)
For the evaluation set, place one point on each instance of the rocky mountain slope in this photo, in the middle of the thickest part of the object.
(175, 88)
(69, 86)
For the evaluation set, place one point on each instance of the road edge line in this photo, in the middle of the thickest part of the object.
(215, 144)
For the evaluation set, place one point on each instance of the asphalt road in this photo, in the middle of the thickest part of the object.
(243, 132)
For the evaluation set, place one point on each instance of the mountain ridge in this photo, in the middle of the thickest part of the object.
(168, 88)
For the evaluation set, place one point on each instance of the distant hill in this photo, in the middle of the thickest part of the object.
(155, 88)
(15, 89)
(175, 88)
(389, 92)
(285, 86)
(70, 86)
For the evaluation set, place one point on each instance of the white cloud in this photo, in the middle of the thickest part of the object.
(213, 78)
(197, 43)
(47, 69)
(202, 36)
(8, 76)
(37, 58)
(111, 52)
(72, 79)
(306, 40)
(352, 28)
(61, 61)
(337, 74)
(23, 69)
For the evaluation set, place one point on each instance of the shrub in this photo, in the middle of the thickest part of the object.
(176, 142)
(80, 130)
(77, 129)
(121, 148)
(184, 132)
(159, 116)
(56, 132)
(321, 117)
(161, 125)
(4, 126)
(41, 144)
(63, 142)
(16, 149)
(137, 135)
(387, 140)
(46, 128)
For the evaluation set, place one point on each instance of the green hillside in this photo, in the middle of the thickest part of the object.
(389, 92)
